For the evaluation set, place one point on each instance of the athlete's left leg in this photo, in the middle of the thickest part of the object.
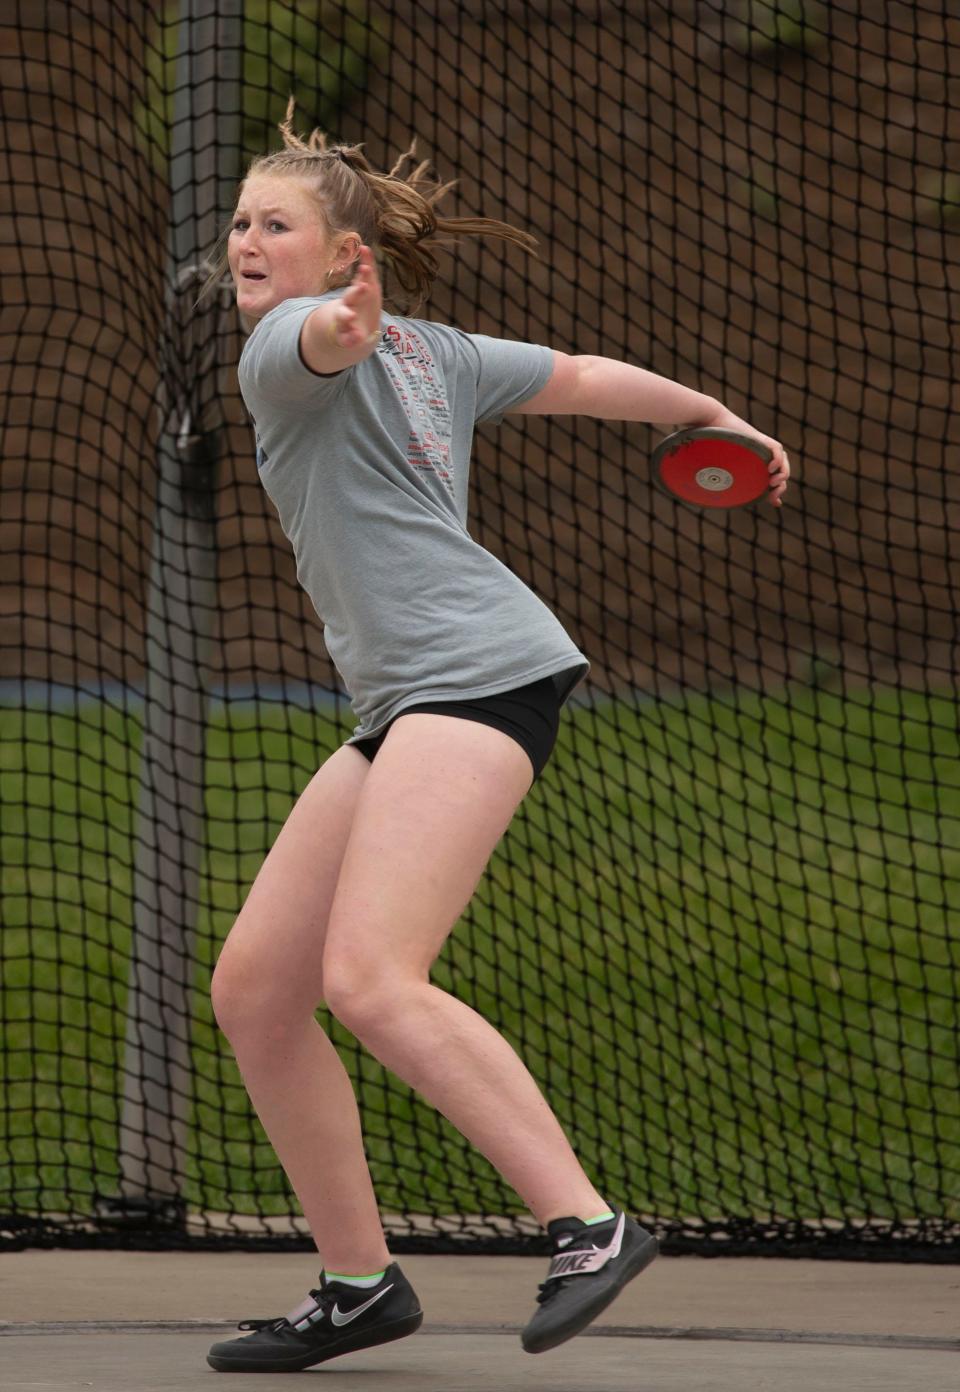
(437, 800)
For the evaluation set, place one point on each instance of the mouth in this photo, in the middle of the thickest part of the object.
(253, 275)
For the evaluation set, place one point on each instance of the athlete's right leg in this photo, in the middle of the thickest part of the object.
(267, 985)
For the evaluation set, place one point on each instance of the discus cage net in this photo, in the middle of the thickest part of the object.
(719, 931)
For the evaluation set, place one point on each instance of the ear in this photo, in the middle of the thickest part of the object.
(349, 250)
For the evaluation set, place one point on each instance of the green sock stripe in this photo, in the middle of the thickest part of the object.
(604, 1217)
(343, 1276)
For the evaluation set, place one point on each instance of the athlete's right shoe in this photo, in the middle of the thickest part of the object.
(592, 1263)
(334, 1319)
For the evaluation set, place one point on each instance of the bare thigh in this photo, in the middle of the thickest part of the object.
(274, 951)
(437, 800)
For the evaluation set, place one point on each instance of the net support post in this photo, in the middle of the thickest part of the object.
(180, 634)
(181, 616)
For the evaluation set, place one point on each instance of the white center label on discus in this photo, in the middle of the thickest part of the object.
(714, 479)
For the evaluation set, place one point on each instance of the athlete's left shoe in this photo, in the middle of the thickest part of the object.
(590, 1267)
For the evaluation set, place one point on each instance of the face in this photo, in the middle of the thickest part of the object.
(278, 247)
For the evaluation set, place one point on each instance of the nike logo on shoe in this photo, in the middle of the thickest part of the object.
(581, 1261)
(340, 1317)
(310, 1313)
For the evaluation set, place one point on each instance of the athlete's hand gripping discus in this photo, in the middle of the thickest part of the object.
(713, 468)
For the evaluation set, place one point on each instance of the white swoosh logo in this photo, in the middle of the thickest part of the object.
(339, 1318)
(581, 1262)
(613, 1247)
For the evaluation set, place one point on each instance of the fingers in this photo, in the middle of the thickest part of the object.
(358, 311)
(366, 283)
(780, 474)
(366, 271)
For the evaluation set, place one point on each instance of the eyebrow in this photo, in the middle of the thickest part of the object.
(276, 209)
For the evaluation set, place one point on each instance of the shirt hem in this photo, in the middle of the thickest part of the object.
(548, 669)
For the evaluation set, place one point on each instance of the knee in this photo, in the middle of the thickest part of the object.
(249, 1000)
(237, 995)
(361, 994)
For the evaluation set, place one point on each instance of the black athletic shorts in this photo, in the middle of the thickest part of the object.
(529, 714)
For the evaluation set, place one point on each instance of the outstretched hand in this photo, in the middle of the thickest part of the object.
(356, 315)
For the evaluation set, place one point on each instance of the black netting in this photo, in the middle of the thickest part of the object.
(719, 930)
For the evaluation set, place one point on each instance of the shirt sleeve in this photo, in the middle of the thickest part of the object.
(271, 366)
(508, 373)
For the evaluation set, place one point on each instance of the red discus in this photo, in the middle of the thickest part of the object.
(713, 468)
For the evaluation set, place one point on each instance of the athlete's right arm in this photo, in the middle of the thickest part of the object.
(343, 332)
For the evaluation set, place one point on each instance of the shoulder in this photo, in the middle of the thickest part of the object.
(271, 327)
(297, 308)
(271, 364)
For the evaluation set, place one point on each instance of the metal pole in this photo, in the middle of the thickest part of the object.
(180, 619)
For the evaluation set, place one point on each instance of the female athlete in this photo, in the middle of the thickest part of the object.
(457, 672)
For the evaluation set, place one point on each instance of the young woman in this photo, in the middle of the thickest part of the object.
(457, 672)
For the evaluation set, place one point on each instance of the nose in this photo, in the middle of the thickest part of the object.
(245, 250)
(246, 241)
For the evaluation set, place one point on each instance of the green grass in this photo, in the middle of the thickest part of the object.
(718, 933)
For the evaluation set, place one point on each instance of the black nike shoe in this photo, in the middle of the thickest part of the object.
(334, 1319)
(590, 1267)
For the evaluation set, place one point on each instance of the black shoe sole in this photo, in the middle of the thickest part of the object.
(639, 1261)
(349, 1343)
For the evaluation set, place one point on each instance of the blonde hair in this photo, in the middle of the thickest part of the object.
(396, 215)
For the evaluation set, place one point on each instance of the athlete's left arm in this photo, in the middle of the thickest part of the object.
(582, 385)
(589, 386)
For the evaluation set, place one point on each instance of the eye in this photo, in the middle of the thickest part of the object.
(241, 223)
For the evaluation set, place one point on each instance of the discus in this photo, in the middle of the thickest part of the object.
(713, 468)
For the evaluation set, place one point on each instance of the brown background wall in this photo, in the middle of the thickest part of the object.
(777, 228)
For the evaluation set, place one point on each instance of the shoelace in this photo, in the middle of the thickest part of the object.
(323, 1298)
(550, 1288)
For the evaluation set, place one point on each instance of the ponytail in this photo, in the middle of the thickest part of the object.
(395, 214)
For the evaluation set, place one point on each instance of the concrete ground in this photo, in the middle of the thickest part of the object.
(125, 1321)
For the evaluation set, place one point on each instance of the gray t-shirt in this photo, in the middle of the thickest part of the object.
(368, 470)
